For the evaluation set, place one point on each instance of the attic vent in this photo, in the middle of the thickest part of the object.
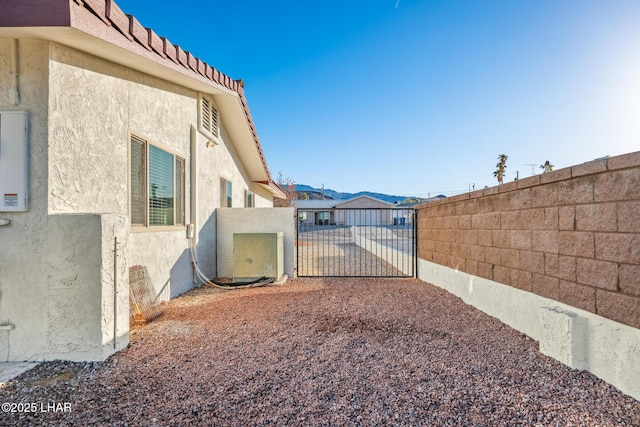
(208, 118)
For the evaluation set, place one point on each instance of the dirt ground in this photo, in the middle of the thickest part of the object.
(330, 352)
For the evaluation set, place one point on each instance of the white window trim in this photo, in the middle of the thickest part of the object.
(248, 193)
(224, 196)
(146, 227)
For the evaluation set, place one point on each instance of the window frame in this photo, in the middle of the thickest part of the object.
(179, 194)
(249, 195)
(226, 193)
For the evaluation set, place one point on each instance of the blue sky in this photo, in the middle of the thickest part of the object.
(420, 99)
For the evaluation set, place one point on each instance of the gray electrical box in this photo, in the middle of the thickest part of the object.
(14, 161)
(257, 255)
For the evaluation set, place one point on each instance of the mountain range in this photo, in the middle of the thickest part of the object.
(316, 194)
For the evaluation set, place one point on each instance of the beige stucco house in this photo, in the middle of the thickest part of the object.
(129, 139)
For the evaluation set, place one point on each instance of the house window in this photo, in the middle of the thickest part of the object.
(157, 186)
(324, 217)
(227, 194)
(248, 199)
(208, 117)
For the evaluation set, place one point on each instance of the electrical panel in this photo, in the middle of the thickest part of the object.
(14, 161)
(257, 255)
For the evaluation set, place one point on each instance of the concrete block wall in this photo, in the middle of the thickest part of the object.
(571, 235)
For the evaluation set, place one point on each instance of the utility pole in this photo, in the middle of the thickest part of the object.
(532, 166)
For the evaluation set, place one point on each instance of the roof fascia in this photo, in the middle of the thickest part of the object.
(100, 28)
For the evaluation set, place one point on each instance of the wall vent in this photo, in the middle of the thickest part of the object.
(208, 118)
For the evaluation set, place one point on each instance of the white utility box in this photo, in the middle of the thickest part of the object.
(257, 255)
(14, 161)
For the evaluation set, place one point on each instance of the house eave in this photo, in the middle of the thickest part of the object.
(134, 57)
(100, 28)
(272, 188)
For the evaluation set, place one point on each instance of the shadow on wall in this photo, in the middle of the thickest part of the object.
(181, 276)
(206, 248)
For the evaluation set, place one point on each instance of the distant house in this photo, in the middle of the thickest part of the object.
(315, 212)
(361, 210)
(377, 212)
(124, 139)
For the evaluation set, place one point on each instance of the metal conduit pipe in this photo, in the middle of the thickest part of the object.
(14, 93)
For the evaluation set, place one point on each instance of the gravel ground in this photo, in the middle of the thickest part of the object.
(322, 352)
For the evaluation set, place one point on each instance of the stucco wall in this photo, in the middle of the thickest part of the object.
(89, 155)
(23, 275)
(263, 199)
(81, 281)
(59, 285)
(232, 220)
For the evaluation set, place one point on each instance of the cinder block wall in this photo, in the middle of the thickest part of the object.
(572, 235)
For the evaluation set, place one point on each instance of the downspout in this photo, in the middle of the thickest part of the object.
(14, 93)
(115, 293)
(193, 195)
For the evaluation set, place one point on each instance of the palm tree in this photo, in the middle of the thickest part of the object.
(502, 165)
(548, 167)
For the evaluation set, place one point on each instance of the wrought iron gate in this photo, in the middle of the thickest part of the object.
(356, 242)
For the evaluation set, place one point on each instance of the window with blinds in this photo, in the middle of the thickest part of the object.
(208, 117)
(157, 186)
(161, 189)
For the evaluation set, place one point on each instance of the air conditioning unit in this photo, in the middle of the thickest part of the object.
(257, 255)
(14, 161)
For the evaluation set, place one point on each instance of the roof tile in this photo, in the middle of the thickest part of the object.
(156, 43)
(182, 56)
(192, 62)
(201, 67)
(118, 18)
(209, 71)
(99, 8)
(139, 32)
(169, 49)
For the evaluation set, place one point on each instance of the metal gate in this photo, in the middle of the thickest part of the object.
(356, 242)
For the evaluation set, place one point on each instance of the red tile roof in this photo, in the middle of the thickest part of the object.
(59, 13)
